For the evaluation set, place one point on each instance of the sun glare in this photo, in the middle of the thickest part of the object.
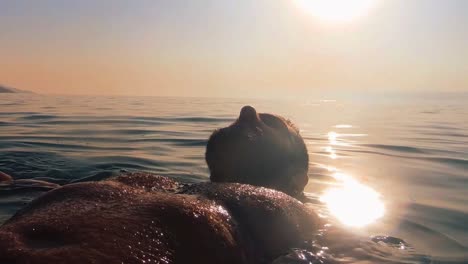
(353, 203)
(336, 10)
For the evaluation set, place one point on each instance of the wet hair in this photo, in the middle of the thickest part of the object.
(259, 149)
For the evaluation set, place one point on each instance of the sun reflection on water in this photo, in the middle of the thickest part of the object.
(332, 152)
(353, 203)
(332, 137)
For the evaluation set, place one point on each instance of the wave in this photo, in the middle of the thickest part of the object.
(396, 148)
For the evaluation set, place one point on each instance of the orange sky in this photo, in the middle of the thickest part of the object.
(230, 48)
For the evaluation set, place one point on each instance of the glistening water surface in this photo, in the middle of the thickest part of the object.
(390, 177)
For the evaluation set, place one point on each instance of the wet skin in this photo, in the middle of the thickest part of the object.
(143, 217)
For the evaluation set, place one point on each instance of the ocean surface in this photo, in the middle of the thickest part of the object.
(388, 176)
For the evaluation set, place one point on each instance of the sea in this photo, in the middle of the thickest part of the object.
(388, 174)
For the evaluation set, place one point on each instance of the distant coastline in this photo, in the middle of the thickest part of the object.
(5, 89)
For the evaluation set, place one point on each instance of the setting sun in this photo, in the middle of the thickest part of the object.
(336, 10)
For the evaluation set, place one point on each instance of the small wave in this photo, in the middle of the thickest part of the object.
(64, 146)
(202, 119)
(446, 134)
(112, 120)
(18, 113)
(396, 148)
(37, 117)
(457, 162)
(429, 237)
(451, 161)
(445, 217)
(389, 240)
(136, 162)
(437, 127)
(176, 142)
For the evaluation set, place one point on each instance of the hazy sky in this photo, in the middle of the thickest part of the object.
(230, 47)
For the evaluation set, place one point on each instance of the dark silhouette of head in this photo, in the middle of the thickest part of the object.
(259, 149)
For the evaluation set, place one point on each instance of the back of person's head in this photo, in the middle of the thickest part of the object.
(259, 149)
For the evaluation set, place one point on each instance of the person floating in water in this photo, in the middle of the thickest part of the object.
(246, 214)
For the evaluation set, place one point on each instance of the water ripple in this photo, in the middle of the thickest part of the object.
(415, 155)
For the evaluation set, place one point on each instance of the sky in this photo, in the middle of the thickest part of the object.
(230, 48)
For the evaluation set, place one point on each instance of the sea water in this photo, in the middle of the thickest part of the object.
(389, 176)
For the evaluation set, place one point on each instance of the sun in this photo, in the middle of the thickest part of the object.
(336, 10)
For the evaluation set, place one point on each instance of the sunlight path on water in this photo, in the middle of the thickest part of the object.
(352, 202)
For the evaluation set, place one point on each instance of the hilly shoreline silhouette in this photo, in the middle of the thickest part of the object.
(5, 89)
